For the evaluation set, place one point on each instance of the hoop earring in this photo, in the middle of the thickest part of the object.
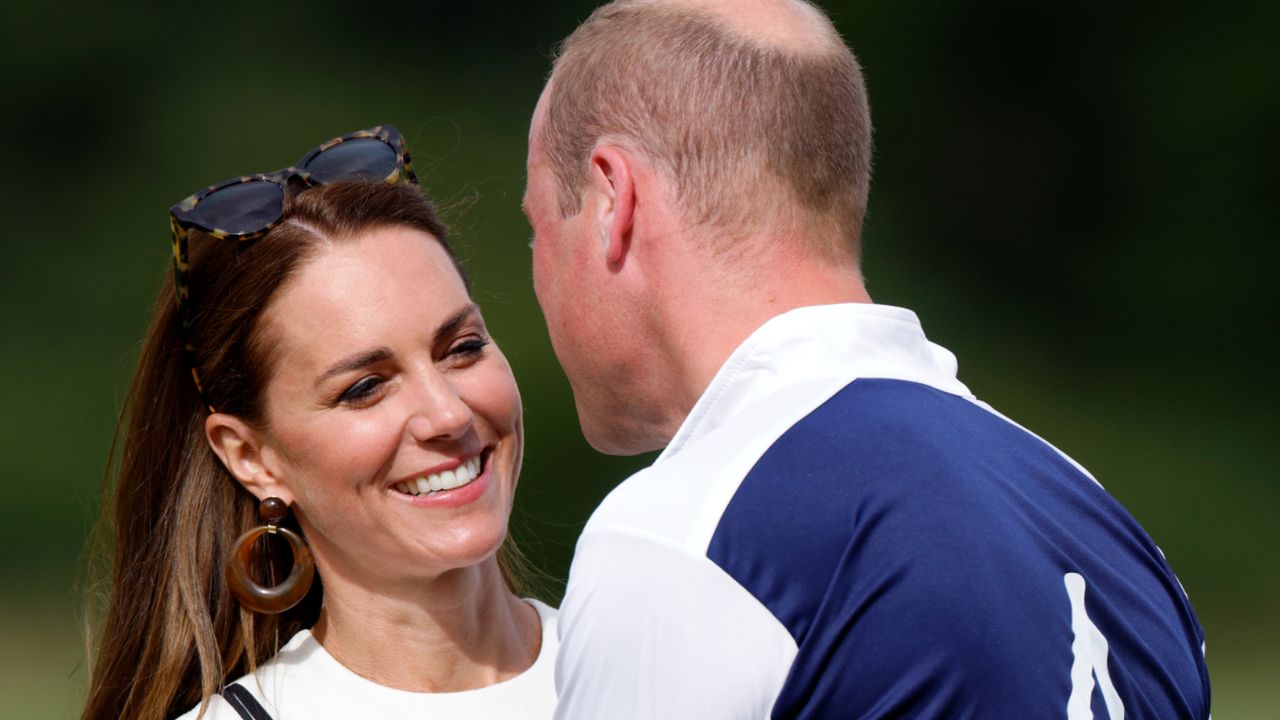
(276, 599)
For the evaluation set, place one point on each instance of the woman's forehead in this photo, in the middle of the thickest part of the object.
(383, 286)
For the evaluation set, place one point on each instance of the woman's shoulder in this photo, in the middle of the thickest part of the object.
(294, 655)
(549, 617)
(546, 613)
(216, 709)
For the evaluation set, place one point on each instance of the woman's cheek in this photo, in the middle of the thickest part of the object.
(356, 444)
(499, 396)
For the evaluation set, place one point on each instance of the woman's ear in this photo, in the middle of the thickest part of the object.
(241, 449)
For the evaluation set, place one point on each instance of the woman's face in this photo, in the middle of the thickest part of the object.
(392, 418)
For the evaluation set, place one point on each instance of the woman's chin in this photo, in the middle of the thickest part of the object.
(471, 550)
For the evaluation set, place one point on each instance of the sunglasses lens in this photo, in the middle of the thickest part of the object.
(359, 159)
(243, 208)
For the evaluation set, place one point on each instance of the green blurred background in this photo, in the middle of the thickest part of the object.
(1072, 198)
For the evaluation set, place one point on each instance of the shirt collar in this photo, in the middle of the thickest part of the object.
(856, 340)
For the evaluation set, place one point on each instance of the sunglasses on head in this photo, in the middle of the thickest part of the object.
(248, 207)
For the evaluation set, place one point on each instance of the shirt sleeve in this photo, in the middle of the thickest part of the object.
(649, 629)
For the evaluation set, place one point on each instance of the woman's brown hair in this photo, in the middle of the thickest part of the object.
(171, 633)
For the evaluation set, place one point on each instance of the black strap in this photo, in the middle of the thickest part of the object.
(244, 703)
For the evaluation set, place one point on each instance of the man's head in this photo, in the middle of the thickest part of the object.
(741, 126)
(755, 109)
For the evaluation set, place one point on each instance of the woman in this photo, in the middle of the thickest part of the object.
(325, 370)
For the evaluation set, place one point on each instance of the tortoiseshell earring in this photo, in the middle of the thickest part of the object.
(278, 598)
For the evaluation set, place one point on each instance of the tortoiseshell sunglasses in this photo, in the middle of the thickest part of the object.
(248, 207)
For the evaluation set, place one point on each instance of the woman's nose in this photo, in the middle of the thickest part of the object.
(439, 412)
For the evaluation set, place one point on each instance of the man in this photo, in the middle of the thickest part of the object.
(836, 528)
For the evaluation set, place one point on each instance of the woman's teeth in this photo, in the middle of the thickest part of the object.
(447, 480)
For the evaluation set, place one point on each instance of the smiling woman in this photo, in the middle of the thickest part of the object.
(326, 368)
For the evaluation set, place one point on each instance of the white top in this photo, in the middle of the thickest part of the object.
(840, 529)
(304, 682)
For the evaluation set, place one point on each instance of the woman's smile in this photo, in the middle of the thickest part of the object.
(465, 483)
(445, 477)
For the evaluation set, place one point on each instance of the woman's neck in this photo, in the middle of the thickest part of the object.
(460, 631)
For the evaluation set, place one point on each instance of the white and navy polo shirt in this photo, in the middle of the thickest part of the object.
(840, 530)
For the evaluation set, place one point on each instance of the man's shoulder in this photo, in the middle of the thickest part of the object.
(682, 496)
(679, 499)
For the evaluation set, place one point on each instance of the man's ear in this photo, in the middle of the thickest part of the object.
(612, 176)
(242, 451)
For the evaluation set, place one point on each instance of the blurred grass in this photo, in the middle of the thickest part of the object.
(1072, 205)
(41, 664)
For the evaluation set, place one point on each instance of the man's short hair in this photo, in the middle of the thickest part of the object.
(748, 131)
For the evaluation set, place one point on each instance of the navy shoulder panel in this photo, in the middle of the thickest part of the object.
(917, 547)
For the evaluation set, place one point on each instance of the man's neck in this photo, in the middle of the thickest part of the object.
(716, 311)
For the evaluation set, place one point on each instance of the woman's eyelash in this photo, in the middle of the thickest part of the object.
(469, 346)
(362, 389)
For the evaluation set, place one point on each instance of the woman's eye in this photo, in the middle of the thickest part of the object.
(363, 389)
(469, 347)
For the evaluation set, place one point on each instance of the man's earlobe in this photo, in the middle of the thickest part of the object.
(243, 454)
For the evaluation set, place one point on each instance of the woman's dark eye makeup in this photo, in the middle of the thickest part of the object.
(361, 390)
(471, 345)
(465, 349)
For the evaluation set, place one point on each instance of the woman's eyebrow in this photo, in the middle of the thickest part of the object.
(356, 362)
(450, 325)
(366, 358)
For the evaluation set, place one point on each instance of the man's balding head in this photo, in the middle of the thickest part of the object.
(755, 110)
(792, 25)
